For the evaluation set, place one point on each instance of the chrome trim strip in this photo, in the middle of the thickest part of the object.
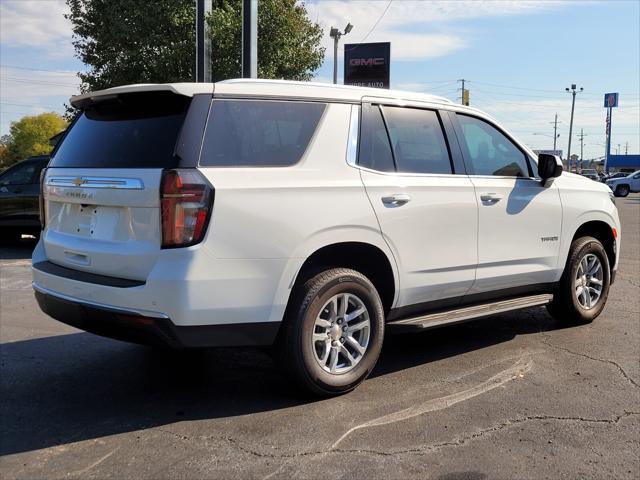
(94, 182)
(352, 141)
(416, 175)
(125, 311)
(476, 311)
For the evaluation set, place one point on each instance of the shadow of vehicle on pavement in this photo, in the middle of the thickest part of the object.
(17, 250)
(68, 388)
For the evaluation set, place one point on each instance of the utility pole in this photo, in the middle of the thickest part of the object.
(249, 38)
(555, 131)
(626, 148)
(464, 98)
(203, 41)
(573, 106)
(581, 136)
(336, 34)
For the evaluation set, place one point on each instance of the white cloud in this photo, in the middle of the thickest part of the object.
(36, 23)
(415, 28)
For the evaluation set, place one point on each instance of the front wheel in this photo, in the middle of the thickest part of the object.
(622, 191)
(583, 289)
(333, 331)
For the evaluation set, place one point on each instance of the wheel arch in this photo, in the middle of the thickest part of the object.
(602, 231)
(366, 258)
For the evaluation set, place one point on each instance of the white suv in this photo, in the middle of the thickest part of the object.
(310, 218)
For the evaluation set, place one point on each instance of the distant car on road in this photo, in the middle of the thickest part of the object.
(623, 186)
(19, 194)
(590, 174)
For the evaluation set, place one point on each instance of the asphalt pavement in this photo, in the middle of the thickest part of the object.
(512, 396)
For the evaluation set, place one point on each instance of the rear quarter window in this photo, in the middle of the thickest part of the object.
(259, 133)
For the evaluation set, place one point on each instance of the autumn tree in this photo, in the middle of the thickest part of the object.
(30, 136)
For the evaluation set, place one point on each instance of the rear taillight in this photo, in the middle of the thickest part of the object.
(186, 199)
(43, 219)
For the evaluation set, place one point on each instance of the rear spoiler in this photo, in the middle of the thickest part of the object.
(186, 89)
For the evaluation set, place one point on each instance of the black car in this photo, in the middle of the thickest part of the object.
(19, 198)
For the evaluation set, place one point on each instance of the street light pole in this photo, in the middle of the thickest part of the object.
(336, 34)
(573, 105)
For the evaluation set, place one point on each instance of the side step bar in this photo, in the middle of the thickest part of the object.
(459, 315)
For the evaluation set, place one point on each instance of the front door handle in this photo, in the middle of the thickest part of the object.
(490, 198)
(396, 200)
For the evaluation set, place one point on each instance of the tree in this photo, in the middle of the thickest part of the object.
(30, 136)
(124, 41)
(288, 43)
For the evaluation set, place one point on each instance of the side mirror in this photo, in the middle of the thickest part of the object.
(549, 166)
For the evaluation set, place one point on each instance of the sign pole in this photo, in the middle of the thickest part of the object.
(250, 39)
(610, 101)
(608, 152)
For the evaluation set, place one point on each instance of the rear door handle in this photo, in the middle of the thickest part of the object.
(490, 198)
(396, 200)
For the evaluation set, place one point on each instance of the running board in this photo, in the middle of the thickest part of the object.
(463, 314)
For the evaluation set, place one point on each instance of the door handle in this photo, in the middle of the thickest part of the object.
(396, 200)
(490, 198)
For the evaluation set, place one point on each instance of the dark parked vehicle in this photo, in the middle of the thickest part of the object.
(19, 198)
(614, 175)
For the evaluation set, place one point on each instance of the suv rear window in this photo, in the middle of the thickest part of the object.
(259, 133)
(135, 130)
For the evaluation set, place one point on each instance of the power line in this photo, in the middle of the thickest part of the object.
(542, 90)
(31, 105)
(36, 82)
(4, 65)
(377, 21)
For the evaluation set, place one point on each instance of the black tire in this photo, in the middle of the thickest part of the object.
(565, 307)
(296, 347)
(622, 191)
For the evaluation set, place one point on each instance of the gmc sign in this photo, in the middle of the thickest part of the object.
(354, 62)
(367, 64)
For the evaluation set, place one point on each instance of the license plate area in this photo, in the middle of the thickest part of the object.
(93, 221)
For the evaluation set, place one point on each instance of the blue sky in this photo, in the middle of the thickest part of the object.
(517, 58)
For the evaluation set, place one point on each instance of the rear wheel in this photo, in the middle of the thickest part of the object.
(622, 190)
(584, 286)
(333, 331)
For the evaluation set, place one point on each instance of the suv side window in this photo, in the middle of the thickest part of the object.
(374, 150)
(417, 140)
(489, 151)
(259, 133)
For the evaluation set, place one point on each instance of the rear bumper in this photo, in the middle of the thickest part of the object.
(150, 328)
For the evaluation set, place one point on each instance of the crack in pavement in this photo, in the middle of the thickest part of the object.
(596, 359)
(516, 370)
(428, 448)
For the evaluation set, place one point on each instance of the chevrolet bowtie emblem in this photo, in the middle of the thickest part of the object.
(79, 181)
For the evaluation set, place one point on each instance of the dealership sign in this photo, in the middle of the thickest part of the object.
(367, 64)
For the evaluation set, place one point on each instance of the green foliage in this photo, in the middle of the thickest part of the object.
(153, 41)
(30, 136)
(288, 43)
